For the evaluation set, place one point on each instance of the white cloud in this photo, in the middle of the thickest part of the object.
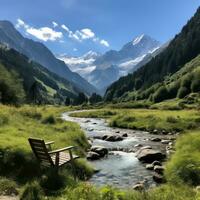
(84, 34)
(87, 33)
(43, 33)
(75, 49)
(105, 43)
(54, 24)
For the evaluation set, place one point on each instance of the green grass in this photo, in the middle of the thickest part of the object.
(20, 169)
(18, 124)
(146, 119)
(184, 165)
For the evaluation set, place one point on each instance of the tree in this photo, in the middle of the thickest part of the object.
(182, 92)
(195, 86)
(11, 88)
(67, 101)
(95, 98)
(81, 99)
(161, 94)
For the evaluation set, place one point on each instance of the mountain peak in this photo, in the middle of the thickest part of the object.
(138, 39)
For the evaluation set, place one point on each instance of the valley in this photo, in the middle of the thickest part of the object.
(100, 100)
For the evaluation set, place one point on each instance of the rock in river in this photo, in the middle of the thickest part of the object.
(149, 155)
(93, 156)
(113, 138)
(159, 169)
(102, 151)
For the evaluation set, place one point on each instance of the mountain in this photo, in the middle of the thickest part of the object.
(83, 65)
(30, 77)
(145, 81)
(39, 53)
(102, 70)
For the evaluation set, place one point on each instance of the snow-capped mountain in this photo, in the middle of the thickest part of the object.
(103, 70)
(83, 64)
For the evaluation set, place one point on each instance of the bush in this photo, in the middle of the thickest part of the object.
(32, 191)
(8, 187)
(195, 86)
(171, 119)
(53, 181)
(182, 92)
(161, 94)
(49, 120)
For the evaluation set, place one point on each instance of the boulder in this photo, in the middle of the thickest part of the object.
(165, 141)
(138, 145)
(145, 147)
(155, 139)
(125, 135)
(149, 167)
(102, 151)
(114, 138)
(158, 178)
(149, 155)
(158, 169)
(138, 187)
(156, 162)
(93, 156)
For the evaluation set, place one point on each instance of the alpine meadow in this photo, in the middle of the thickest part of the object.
(100, 100)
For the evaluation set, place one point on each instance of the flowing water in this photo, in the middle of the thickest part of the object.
(119, 168)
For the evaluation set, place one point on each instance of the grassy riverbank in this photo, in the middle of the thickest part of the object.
(147, 119)
(20, 172)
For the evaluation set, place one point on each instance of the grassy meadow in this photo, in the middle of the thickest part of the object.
(20, 173)
(147, 119)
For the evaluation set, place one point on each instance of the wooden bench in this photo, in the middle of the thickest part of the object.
(49, 158)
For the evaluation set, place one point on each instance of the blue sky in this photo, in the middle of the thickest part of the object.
(77, 26)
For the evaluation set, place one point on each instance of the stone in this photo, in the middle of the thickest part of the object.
(159, 169)
(138, 145)
(138, 187)
(93, 156)
(104, 137)
(87, 121)
(145, 147)
(149, 155)
(155, 139)
(125, 135)
(164, 132)
(155, 131)
(165, 141)
(158, 178)
(117, 131)
(149, 167)
(102, 151)
(114, 138)
(156, 162)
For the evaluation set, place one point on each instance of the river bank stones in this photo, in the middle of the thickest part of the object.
(97, 152)
(112, 138)
(149, 155)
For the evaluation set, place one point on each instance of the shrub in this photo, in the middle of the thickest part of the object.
(182, 92)
(171, 119)
(161, 94)
(49, 120)
(53, 181)
(32, 191)
(195, 86)
(8, 187)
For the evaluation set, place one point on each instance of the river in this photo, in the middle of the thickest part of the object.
(120, 168)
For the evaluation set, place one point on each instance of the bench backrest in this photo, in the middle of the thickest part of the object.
(40, 150)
